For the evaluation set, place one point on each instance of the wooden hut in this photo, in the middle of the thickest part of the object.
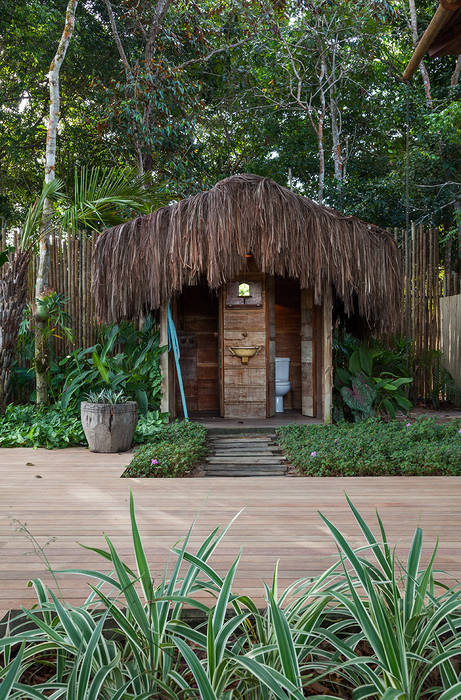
(248, 264)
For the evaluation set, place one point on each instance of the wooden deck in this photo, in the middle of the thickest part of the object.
(79, 496)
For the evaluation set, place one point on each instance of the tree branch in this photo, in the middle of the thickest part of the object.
(118, 41)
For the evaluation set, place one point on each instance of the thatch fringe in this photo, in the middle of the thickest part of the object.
(140, 264)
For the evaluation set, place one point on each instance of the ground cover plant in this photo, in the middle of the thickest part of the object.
(55, 428)
(370, 626)
(171, 451)
(374, 448)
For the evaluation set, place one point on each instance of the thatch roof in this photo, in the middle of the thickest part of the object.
(140, 264)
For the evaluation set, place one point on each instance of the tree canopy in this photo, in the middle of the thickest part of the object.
(307, 92)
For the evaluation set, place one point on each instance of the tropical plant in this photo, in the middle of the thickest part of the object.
(110, 396)
(54, 428)
(369, 626)
(369, 379)
(101, 197)
(133, 370)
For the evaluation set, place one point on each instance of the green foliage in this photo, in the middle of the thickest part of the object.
(172, 451)
(29, 426)
(360, 398)
(5, 254)
(134, 370)
(368, 379)
(54, 428)
(368, 626)
(374, 448)
(110, 396)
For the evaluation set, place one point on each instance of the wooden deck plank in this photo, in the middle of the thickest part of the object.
(80, 496)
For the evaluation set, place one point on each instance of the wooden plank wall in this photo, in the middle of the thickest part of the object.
(450, 322)
(245, 386)
(197, 325)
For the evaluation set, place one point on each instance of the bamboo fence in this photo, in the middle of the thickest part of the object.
(429, 274)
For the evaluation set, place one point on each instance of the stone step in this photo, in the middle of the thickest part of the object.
(245, 460)
(241, 473)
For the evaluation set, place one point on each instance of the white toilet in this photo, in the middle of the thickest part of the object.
(282, 381)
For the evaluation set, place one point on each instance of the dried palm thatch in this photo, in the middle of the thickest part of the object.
(140, 264)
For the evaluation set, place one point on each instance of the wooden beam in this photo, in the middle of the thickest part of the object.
(327, 359)
(307, 367)
(438, 21)
(167, 402)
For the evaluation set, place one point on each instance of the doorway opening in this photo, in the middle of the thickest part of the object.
(197, 327)
(288, 336)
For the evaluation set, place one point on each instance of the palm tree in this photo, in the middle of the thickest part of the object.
(100, 198)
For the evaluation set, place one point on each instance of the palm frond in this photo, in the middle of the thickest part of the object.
(33, 222)
(110, 196)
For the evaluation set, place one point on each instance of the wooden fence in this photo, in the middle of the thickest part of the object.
(429, 275)
(428, 278)
(450, 323)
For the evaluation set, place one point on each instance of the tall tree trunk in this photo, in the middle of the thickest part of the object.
(13, 297)
(455, 75)
(457, 207)
(41, 354)
(336, 140)
(422, 65)
(318, 128)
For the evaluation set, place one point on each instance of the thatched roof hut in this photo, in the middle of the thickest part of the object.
(277, 261)
(140, 264)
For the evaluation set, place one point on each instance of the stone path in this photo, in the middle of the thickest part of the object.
(244, 454)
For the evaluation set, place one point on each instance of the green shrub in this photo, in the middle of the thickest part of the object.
(172, 451)
(374, 448)
(55, 428)
(30, 426)
(370, 626)
(369, 379)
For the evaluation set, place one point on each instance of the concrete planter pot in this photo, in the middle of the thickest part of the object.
(109, 427)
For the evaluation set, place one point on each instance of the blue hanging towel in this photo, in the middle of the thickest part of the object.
(173, 344)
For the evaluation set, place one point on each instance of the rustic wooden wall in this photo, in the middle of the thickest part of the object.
(197, 328)
(245, 386)
(288, 335)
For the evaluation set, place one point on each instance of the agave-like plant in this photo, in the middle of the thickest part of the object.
(377, 625)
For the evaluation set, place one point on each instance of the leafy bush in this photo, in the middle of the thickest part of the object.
(374, 448)
(172, 451)
(53, 428)
(124, 358)
(367, 627)
(134, 370)
(369, 379)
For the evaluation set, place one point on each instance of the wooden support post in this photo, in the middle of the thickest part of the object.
(270, 345)
(167, 403)
(307, 376)
(164, 364)
(327, 359)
